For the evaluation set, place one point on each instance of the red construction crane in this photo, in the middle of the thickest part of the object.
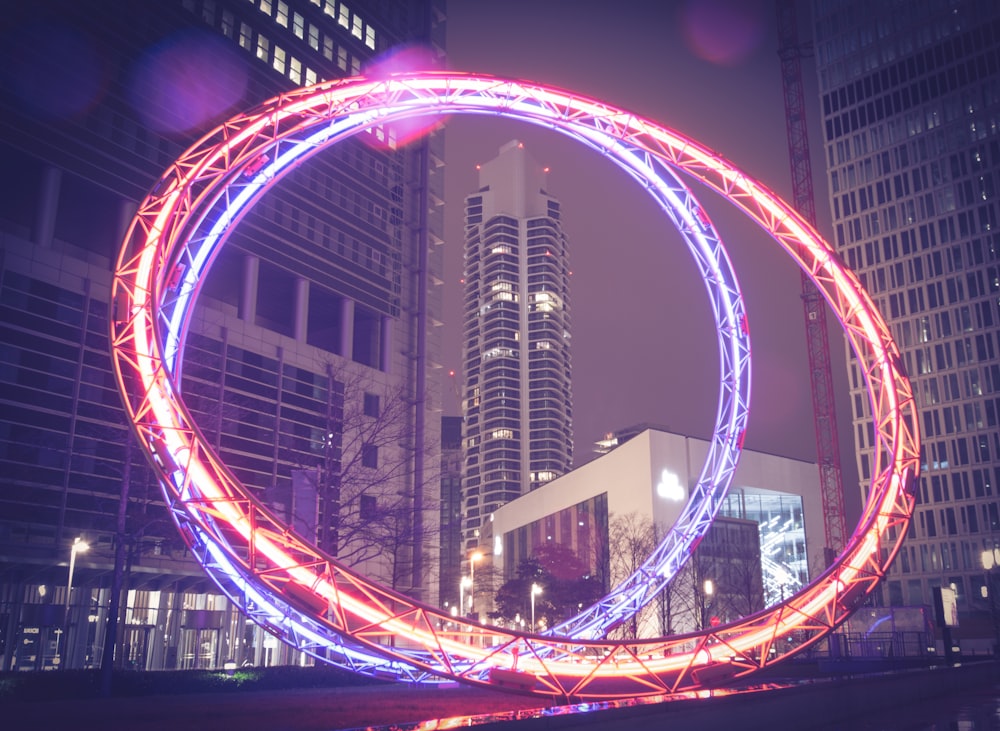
(790, 51)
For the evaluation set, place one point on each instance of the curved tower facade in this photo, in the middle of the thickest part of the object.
(517, 392)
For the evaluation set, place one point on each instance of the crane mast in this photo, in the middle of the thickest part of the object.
(790, 51)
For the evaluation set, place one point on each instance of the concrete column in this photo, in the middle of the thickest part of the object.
(301, 309)
(248, 295)
(347, 328)
(48, 205)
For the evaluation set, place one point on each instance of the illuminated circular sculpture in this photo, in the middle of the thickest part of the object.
(312, 602)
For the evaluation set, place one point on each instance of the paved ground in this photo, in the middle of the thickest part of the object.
(290, 710)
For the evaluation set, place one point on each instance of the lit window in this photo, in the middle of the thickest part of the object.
(263, 48)
(279, 59)
(357, 28)
(282, 17)
(310, 77)
(246, 36)
(313, 37)
(345, 16)
(370, 37)
(295, 70)
(330, 8)
(502, 434)
(265, 7)
(298, 25)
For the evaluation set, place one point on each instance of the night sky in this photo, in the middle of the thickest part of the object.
(643, 350)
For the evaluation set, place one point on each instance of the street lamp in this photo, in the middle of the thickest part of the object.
(79, 546)
(465, 583)
(708, 589)
(991, 561)
(476, 555)
(535, 591)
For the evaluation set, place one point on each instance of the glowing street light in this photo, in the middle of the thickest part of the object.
(476, 555)
(79, 546)
(535, 591)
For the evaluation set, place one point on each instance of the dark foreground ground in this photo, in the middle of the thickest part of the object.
(311, 709)
(833, 703)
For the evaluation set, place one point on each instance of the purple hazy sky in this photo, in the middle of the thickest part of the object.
(642, 344)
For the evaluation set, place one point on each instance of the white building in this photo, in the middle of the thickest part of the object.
(650, 476)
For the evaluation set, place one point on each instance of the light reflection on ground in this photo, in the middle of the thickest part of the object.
(440, 724)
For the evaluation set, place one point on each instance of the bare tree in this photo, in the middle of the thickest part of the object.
(741, 567)
(631, 540)
(362, 467)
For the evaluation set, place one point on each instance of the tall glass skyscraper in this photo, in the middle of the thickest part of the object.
(308, 355)
(910, 99)
(518, 402)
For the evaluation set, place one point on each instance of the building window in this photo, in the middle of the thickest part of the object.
(345, 16)
(368, 507)
(372, 405)
(279, 59)
(369, 456)
(370, 37)
(246, 37)
(282, 16)
(298, 25)
(263, 48)
(357, 28)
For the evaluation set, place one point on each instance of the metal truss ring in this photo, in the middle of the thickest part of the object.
(309, 600)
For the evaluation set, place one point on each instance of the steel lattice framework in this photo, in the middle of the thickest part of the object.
(323, 608)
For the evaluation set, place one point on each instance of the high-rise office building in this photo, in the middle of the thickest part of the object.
(910, 100)
(518, 403)
(317, 323)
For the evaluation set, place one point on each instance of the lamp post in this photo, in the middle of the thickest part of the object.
(535, 591)
(476, 555)
(991, 561)
(462, 586)
(708, 589)
(79, 546)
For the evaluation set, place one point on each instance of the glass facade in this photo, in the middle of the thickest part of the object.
(910, 104)
(310, 331)
(779, 517)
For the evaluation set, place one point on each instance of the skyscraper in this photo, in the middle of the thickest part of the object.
(910, 98)
(315, 324)
(518, 402)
